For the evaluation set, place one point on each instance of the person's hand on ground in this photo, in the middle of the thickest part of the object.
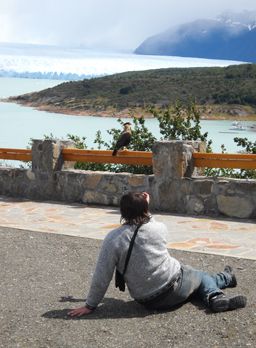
(78, 312)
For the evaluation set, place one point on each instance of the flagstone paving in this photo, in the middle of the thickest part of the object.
(229, 237)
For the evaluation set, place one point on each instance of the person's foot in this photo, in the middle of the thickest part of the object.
(233, 282)
(222, 303)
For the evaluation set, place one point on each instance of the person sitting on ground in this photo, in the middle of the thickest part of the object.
(154, 278)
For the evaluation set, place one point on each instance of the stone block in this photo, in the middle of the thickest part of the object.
(210, 206)
(168, 196)
(92, 197)
(167, 160)
(195, 206)
(46, 155)
(235, 206)
(89, 197)
(172, 159)
(186, 186)
(93, 180)
(30, 175)
(137, 180)
(110, 188)
(245, 186)
(202, 186)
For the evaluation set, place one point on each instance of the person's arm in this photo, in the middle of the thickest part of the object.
(101, 278)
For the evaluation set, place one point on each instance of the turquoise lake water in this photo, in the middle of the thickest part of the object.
(19, 124)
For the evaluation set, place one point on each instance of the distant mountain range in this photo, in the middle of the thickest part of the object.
(229, 37)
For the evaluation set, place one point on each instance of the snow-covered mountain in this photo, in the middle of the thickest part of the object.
(47, 62)
(230, 36)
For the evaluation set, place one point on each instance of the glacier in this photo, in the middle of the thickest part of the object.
(59, 63)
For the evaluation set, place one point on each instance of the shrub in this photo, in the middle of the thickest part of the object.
(175, 122)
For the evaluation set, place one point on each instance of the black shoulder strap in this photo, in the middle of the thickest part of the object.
(130, 248)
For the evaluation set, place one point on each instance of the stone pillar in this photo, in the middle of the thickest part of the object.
(46, 161)
(172, 161)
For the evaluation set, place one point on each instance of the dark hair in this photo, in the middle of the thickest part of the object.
(134, 209)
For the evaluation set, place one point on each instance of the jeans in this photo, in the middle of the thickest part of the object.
(192, 282)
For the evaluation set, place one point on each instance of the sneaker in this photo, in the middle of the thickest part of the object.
(233, 282)
(222, 303)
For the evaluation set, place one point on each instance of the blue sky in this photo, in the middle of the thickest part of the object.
(103, 24)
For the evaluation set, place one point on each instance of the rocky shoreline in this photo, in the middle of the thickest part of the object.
(208, 112)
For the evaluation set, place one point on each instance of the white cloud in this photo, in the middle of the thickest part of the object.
(102, 23)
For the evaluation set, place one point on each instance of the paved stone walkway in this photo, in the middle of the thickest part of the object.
(236, 238)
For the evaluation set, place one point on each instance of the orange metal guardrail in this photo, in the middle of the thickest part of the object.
(224, 160)
(16, 154)
(105, 156)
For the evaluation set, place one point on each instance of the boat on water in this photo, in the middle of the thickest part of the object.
(237, 125)
(252, 127)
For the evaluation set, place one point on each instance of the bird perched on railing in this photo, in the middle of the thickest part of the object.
(124, 139)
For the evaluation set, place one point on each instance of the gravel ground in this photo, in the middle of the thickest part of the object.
(39, 271)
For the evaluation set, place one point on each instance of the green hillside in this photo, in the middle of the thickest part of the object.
(229, 87)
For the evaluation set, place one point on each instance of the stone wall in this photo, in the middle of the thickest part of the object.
(174, 187)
